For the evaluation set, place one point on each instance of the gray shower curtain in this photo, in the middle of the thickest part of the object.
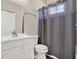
(58, 31)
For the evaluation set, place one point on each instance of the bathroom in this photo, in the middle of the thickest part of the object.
(38, 29)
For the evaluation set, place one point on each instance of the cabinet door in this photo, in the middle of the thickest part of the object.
(15, 53)
(29, 51)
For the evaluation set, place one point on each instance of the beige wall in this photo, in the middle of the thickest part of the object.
(30, 24)
(19, 11)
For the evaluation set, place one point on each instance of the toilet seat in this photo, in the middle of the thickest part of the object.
(41, 48)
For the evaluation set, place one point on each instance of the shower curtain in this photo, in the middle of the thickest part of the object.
(58, 31)
(51, 32)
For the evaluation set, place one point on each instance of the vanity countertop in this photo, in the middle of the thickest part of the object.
(19, 37)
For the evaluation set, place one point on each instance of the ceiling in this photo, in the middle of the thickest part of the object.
(33, 4)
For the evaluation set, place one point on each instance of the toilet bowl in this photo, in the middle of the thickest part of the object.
(41, 51)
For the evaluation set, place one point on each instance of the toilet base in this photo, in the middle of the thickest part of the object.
(40, 56)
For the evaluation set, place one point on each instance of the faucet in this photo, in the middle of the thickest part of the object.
(14, 34)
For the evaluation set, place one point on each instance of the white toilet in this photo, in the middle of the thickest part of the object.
(41, 51)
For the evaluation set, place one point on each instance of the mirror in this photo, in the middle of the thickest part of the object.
(7, 23)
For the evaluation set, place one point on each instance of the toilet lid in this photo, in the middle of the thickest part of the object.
(40, 46)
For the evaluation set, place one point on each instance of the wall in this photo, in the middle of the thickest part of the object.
(19, 11)
(31, 22)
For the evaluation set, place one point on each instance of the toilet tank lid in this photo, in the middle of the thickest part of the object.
(41, 46)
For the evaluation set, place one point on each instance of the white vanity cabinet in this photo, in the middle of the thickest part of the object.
(18, 49)
(29, 51)
(15, 53)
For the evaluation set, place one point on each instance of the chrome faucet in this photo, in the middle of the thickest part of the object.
(14, 34)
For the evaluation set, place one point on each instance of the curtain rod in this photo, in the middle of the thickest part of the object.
(56, 3)
(53, 4)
